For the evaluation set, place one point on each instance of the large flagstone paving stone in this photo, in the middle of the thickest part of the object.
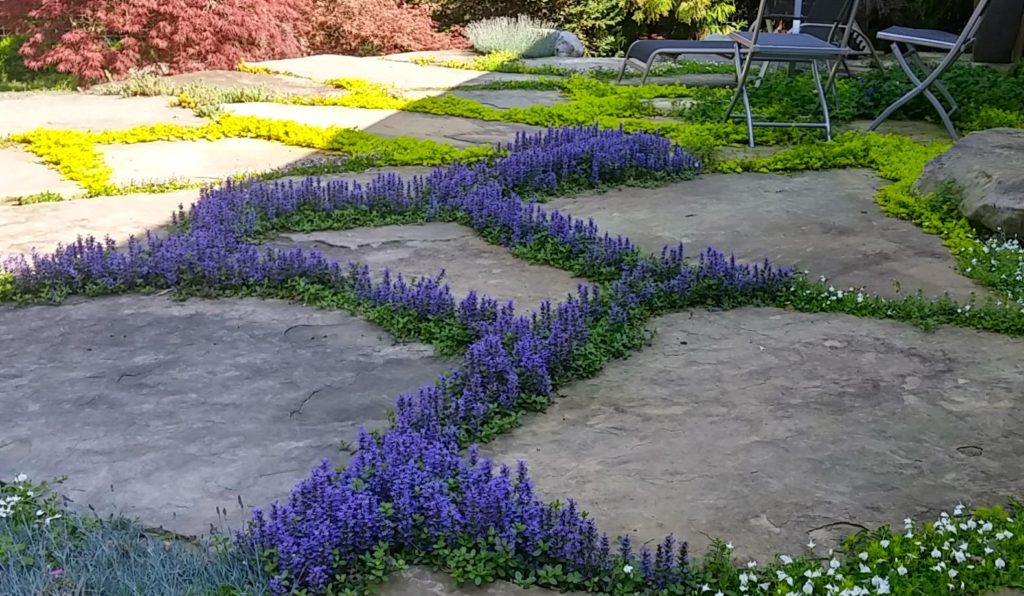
(826, 223)
(44, 225)
(166, 410)
(80, 111)
(761, 426)
(24, 174)
(469, 262)
(202, 161)
(461, 132)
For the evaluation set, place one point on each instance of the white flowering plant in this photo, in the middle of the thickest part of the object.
(24, 502)
(959, 553)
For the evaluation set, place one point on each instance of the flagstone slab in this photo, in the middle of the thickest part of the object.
(461, 132)
(826, 223)
(79, 111)
(44, 225)
(167, 410)
(468, 262)
(25, 174)
(198, 161)
(765, 427)
(403, 75)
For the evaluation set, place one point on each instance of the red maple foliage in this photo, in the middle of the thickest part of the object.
(13, 13)
(97, 38)
(364, 27)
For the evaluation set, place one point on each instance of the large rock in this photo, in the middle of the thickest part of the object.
(568, 45)
(988, 167)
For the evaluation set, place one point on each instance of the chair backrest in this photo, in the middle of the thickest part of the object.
(841, 14)
(971, 29)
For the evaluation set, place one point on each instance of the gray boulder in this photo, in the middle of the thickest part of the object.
(568, 45)
(988, 168)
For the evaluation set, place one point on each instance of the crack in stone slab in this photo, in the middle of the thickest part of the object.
(298, 410)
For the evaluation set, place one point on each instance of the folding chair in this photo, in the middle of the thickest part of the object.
(953, 45)
(645, 51)
(824, 20)
(792, 48)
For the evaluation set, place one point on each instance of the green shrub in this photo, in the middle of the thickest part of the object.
(520, 36)
(15, 76)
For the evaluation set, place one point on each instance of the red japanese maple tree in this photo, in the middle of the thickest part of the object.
(94, 38)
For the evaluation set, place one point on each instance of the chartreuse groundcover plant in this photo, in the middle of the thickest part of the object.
(409, 495)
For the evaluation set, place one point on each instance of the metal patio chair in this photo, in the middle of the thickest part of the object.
(905, 44)
(642, 53)
(792, 48)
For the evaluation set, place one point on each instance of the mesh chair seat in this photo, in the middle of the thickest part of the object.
(789, 44)
(920, 37)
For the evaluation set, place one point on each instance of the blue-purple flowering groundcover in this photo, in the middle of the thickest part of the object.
(411, 492)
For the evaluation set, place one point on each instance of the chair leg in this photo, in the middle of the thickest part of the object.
(622, 71)
(899, 103)
(916, 59)
(742, 73)
(939, 108)
(647, 68)
(822, 99)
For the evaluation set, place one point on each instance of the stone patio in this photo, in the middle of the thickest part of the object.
(167, 410)
(764, 427)
(758, 426)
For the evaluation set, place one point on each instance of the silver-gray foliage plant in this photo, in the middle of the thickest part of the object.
(523, 36)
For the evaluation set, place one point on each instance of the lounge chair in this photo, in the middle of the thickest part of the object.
(792, 48)
(642, 53)
(905, 43)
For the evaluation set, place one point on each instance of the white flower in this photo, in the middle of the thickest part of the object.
(988, 550)
(808, 587)
(936, 553)
(884, 543)
(764, 587)
(1000, 563)
(908, 523)
(728, 545)
(786, 559)
(811, 544)
(719, 594)
(959, 509)
(751, 564)
(881, 585)
(985, 527)
(21, 478)
(864, 568)
(901, 570)
(627, 569)
(909, 534)
(705, 588)
(959, 556)
(863, 556)
(834, 564)
(952, 573)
